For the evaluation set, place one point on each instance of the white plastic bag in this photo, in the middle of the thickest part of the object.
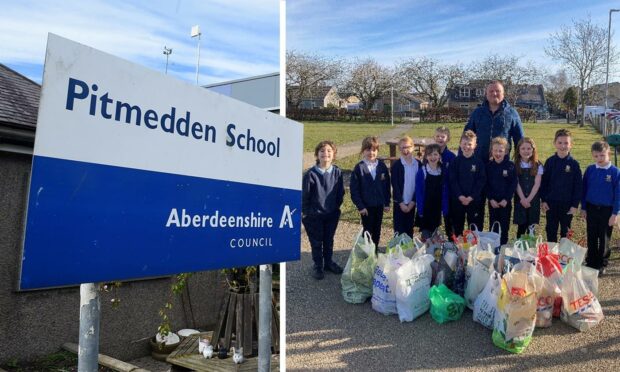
(485, 305)
(490, 238)
(590, 277)
(482, 267)
(580, 307)
(383, 298)
(413, 281)
(570, 251)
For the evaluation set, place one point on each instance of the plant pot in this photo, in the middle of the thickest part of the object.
(161, 348)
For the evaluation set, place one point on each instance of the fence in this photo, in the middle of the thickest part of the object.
(605, 127)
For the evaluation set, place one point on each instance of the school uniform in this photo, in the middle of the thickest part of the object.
(601, 199)
(370, 189)
(467, 178)
(403, 177)
(501, 185)
(431, 199)
(446, 158)
(322, 196)
(561, 190)
(525, 217)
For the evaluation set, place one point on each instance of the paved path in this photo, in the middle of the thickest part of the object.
(325, 333)
(353, 148)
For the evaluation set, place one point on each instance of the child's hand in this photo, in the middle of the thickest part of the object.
(463, 200)
(584, 214)
(525, 203)
(613, 220)
(493, 203)
(411, 205)
(503, 203)
(403, 207)
(544, 206)
(364, 212)
(386, 209)
(572, 211)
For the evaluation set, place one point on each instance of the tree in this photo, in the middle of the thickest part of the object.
(555, 88)
(508, 70)
(570, 102)
(369, 81)
(429, 78)
(307, 72)
(582, 48)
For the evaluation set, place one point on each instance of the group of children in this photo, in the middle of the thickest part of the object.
(459, 187)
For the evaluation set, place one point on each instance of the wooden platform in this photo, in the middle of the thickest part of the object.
(186, 355)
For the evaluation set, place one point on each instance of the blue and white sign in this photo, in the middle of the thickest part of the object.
(136, 174)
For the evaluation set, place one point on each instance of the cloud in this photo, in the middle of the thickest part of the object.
(236, 36)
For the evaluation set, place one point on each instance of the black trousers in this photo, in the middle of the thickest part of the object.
(557, 214)
(599, 235)
(460, 212)
(501, 215)
(321, 230)
(403, 222)
(372, 223)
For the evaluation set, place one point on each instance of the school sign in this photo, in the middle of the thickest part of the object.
(136, 175)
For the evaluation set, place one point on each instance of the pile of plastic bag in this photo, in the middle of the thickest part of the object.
(511, 290)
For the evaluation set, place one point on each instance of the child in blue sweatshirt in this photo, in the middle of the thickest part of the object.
(600, 205)
(431, 191)
(322, 196)
(467, 179)
(370, 188)
(560, 190)
(501, 186)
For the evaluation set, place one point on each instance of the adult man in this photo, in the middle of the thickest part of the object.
(494, 118)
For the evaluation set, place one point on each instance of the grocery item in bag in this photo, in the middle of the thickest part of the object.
(480, 272)
(413, 281)
(445, 304)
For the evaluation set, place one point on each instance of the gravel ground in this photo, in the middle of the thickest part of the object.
(326, 333)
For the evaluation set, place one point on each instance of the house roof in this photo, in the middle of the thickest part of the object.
(318, 92)
(19, 100)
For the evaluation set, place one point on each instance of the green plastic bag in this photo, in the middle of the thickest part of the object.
(356, 279)
(445, 304)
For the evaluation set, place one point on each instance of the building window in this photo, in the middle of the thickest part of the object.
(464, 105)
(464, 92)
(479, 92)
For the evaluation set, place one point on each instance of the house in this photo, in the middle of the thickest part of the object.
(405, 104)
(471, 95)
(37, 323)
(596, 95)
(316, 97)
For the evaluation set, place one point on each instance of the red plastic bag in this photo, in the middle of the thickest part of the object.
(549, 262)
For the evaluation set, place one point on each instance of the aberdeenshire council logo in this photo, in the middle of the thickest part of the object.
(217, 220)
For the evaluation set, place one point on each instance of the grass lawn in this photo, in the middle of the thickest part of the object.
(542, 134)
(339, 132)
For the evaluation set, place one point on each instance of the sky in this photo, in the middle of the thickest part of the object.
(450, 31)
(239, 38)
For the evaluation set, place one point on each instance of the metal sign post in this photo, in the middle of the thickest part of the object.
(264, 320)
(90, 314)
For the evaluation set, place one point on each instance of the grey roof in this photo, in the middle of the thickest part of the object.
(19, 100)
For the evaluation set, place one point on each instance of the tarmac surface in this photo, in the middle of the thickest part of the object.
(326, 333)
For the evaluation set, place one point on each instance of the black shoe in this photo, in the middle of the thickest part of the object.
(601, 272)
(333, 267)
(317, 273)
